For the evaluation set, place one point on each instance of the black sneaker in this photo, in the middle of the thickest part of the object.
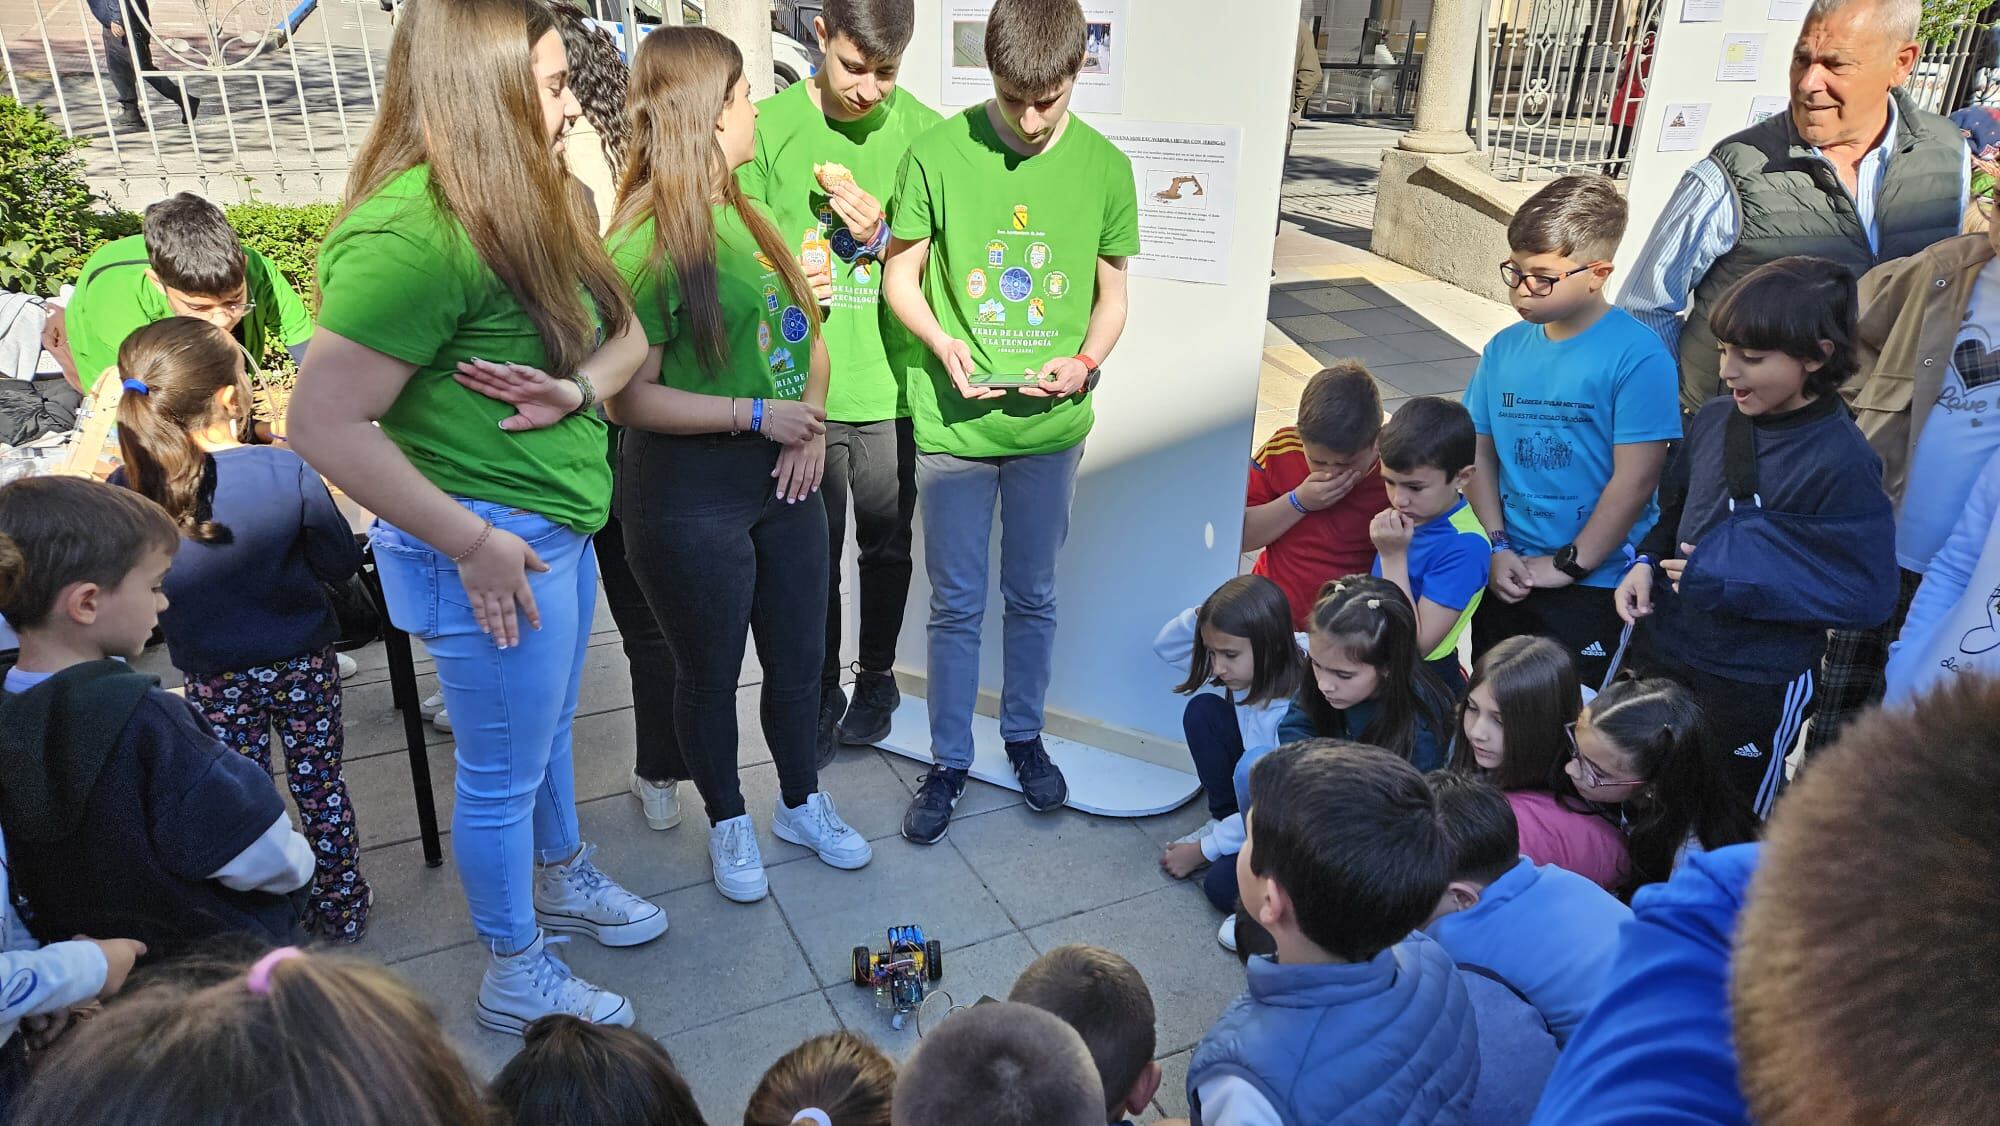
(875, 700)
(129, 119)
(1041, 783)
(832, 703)
(929, 814)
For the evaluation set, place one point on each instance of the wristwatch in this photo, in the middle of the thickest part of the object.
(1565, 561)
(1091, 374)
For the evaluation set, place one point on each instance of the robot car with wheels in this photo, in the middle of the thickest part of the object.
(902, 974)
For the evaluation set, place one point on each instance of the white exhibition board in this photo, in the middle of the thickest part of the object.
(1699, 42)
(1158, 514)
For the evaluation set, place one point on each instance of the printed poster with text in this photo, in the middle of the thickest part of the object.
(1099, 89)
(1187, 196)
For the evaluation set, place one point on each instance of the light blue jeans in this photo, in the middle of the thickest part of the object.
(510, 710)
(1031, 494)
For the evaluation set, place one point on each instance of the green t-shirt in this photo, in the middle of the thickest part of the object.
(399, 275)
(861, 333)
(113, 297)
(769, 334)
(1012, 272)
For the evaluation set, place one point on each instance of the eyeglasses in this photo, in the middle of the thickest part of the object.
(1539, 285)
(1592, 776)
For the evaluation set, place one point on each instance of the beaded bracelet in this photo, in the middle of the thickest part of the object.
(484, 534)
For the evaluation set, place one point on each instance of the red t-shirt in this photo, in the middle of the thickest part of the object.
(1329, 544)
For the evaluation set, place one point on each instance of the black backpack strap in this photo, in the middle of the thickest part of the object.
(1739, 459)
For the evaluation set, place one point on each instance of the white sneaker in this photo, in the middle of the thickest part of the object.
(346, 665)
(661, 801)
(816, 826)
(433, 709)
(1199, 835)
(738, 867)
(1226, 935)
(578, 899)
(535, 983)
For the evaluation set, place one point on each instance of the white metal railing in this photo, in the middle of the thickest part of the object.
(286, 89)
(1560, 82)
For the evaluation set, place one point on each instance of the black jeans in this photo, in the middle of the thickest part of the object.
(656, 747)
(875, 463)
(136, 43)
(1215, 743)
(719, 556)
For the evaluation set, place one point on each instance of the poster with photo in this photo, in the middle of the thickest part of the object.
(1100, 88)
(1186, 178)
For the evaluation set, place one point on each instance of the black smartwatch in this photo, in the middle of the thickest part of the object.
(1091, 374)
(1565, 561)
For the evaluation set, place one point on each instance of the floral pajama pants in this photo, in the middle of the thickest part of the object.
(300, 699)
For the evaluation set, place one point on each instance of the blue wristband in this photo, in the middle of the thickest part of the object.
(1293, 496)
(757, 415)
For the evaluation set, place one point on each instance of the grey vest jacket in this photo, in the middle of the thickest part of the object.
(1788, 201)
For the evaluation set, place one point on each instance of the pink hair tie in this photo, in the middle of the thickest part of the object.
(260, 973)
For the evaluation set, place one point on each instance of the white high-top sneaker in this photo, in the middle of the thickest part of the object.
(737, 863)
(578, 899)
(536, 983)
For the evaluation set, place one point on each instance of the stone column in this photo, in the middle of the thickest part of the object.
(1447, 79)
(748, 22)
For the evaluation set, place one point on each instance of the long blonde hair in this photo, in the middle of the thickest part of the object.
(682, 79)
(460, 97)
(172, 370)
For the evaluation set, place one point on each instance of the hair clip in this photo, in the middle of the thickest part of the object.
(814, 1115)
(1374, 604)
(260, 973)
(136, 386)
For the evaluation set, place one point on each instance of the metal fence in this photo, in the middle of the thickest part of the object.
(282, 91)
(1561, 82)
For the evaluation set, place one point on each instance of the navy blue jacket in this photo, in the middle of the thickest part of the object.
(256, 599)
(1811, 547)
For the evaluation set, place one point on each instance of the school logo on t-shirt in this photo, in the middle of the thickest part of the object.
(825, 217)
(1039, 255)
(844, 245)
(1020, 216)
(975, 284)
(996, 253)
(764, 336)
(781, 361)
(992, 313)
(863, 272)
(793, 324)
(771, 298)
(1036, 311)
(1016, 284)
(1056, 283)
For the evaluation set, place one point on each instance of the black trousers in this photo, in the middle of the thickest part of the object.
(721, 559)
(137, 43)
(874, 464)
(1752, 727)
(1583, 619)
(656, 746)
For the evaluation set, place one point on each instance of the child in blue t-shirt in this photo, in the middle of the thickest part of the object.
(1574, 409)
(1428, 541)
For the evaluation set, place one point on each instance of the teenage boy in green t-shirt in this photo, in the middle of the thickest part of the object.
(852, 116)
(1012, 223)
(187, 261)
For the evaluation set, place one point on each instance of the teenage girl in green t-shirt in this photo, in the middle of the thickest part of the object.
(469, 320)
(731, 397)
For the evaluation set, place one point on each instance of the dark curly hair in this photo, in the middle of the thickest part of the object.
(597, 73)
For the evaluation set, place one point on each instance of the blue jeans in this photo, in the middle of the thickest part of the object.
(1032, 494)
(511, 710)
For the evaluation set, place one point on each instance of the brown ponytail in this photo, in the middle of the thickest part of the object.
(172, 370)
(841, 1074)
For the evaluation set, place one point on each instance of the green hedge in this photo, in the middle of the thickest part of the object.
(50, 220)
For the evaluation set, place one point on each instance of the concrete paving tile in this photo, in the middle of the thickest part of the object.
(1373, 352)
(1319, 328)
(1172, 1101)
(723, 1062)
(1374, 296)
(1045, 866)
(1167, 826)
(1389, 403)
(449, 979)
(1432, 345)
(1436, 377)
(1383, 322)
(1169, 935)
(1330, 299)
(985, 968)
(1283, 304)
(931, 886)
(417, 910)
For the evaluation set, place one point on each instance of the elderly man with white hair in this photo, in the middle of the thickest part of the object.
(1855, 173)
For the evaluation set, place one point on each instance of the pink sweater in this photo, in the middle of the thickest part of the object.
(1584, 843)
